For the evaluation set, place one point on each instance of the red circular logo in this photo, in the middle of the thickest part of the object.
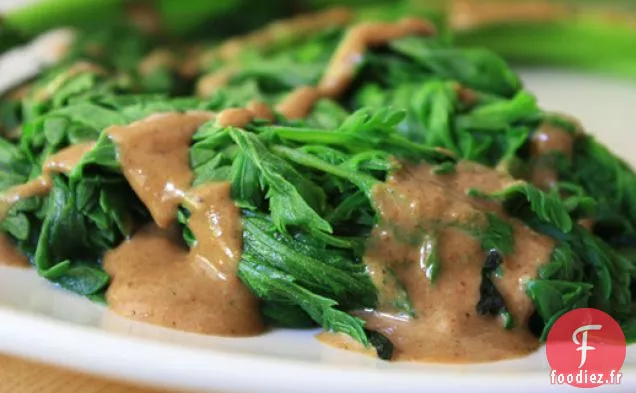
(586, 348)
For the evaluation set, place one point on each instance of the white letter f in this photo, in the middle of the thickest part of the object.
(584, 347)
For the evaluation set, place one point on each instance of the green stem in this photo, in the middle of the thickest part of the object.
(47, 14)
(178, 16)
(588, 42)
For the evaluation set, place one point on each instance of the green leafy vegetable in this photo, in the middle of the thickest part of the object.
(518, 198)
(306, 187)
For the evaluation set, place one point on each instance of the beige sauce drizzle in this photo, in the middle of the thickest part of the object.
(342, 341)
(234, 117)
(189, 67)
(471, 14)
(241, 117)
(39, 186)
(66, 159)
(215, 221)
(210, 83)
(465, 94)
(156, 280)
(157, 59)
(9, 255)
(447, 327)
(342, 66)
(20, 92)
(144, 16)
(298, 26)
(261, 110)
(153, 153)
(548, 139)
(293, 28)
(62, 162)
(587, 223)
(299, 102)
(261, 40)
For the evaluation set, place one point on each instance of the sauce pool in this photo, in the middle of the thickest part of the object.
(420, 214)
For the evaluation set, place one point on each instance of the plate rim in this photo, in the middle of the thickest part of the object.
(21, 334)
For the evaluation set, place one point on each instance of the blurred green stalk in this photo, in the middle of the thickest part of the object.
(589, 40)
(591, 37)
(177, 16)
(597, 36)
(47, 14)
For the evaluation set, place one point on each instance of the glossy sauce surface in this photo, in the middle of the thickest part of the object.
(344, 63)
(422, 213)
(10, 255)
(546, 140)
(61, 162)
(155, 60)
(156, 279)
(262, 40)
(470, 14)
(153, 154)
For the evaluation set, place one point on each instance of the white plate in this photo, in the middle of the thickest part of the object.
(45, 323)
